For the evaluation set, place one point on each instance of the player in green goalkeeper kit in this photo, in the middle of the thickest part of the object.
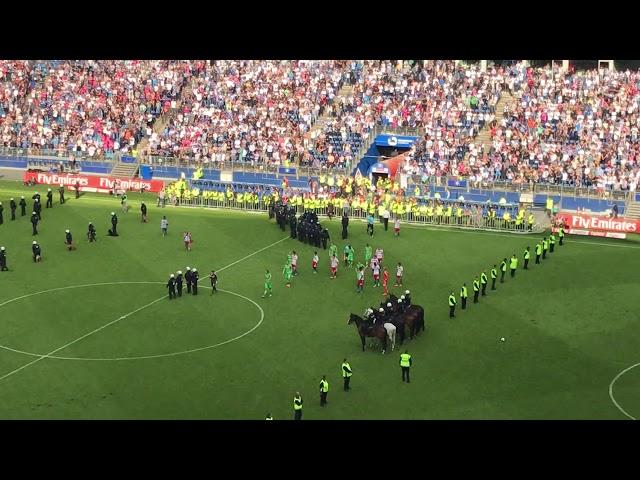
(333, 250)
(368, 253)
(350, 256)
(286, 271)
(268, 287)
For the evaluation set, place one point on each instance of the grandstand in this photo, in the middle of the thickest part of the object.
(507, 128)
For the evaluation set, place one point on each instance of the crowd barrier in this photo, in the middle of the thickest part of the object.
(466, 221)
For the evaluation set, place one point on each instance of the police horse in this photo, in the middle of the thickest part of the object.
(410, 317)
(370, 329)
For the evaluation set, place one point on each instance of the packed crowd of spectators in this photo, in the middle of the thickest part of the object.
(565, 128)
(568, 128)
(90, 107)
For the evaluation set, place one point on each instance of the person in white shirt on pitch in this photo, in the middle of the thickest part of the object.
(164, 224)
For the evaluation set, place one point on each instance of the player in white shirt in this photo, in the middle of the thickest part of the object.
(294, 262)
(396, 227)
(334, 266)
(360, 279)
(376, 274)
(379, 255)
(187, 241)
(164, 224)
(399, 273)
(314, 262)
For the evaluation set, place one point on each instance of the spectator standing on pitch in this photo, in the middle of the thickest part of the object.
(164, 224)
(187, 241)
(324, 390)
(61, 193)
(49, 199)
(188, 275)
(214, 281)
(13, 206)
(34, 223)
(171, 285)
(396, 227)
(23, 206)
(1, 217)
(113, 232)
(143, 211)
(194, 281)
(123, 203)
(370, 221)
(346, 374)
(3, 260)
(385, 219)
(345, 225)
(179, 283)
(37, 251)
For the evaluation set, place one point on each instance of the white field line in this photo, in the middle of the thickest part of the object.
(122, 317)
(141, 357)
(611, 390)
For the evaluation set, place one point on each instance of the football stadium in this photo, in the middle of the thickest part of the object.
(319, 240)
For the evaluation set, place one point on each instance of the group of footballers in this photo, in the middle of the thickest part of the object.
(373, 259)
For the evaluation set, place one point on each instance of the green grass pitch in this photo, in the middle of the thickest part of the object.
(571, 324)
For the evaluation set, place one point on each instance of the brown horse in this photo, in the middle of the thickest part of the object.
(368, 329)
(414, 319)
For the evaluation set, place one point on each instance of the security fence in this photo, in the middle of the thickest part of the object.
(468, 221)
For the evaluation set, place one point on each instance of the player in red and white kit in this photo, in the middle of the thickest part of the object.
(334, 266)
(360, 279)
(399, 273)
(385, 282)
(314, 262)
(376, 274)
(294, 262)
(379, 255)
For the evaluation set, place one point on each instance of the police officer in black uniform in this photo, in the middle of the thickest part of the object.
(171, 285)
(179, 283)
(187, 279)
(292, 224)
(23, 206)
(13, 206)
(143, 211)
(49, 199)
(113, 232)
(91, 233)
(34, 222)
(37, 251)
(68, 239)
(345, 224)
(325, 238)
(3, 260)
(61, 193)
(194, 281)
(37, 207)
